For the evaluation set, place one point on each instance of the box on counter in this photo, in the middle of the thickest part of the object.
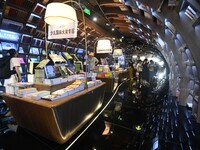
(39, 73)
(71, 78)
(108, 75)
(31, 78)
(101, 75)
(97, 82)
(52, 81)
(90, 84)
(71, 91)
(62, 80)
(24, 92)
(38, 95)
(39, 80)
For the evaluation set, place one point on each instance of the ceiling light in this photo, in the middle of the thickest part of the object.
(95, 19)
(104, 46)
(107, 24)
(60, 16)
(113, 29)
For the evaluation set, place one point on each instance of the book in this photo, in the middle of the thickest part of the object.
(57, 59)
(67, 56)
(42, 63)
(63, 71)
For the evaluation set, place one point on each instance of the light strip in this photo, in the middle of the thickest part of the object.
(30, 25)
(34, 15)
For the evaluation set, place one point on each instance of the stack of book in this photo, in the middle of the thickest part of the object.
(57, 59)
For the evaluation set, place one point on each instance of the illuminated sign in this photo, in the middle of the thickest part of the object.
(86, 11)
(62, 31)
(8, 35)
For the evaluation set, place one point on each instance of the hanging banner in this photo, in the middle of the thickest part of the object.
(62, 31)
(104, 46)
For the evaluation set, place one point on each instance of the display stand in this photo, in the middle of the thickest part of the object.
(109, 83)
(52, 87)
(56, 120)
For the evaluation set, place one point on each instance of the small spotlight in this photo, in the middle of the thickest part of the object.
(134, 92)
(95, 19)
(107, 24)
(113, 29)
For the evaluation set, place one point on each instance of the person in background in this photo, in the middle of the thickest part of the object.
(151, 71)
(139, 72)
(14, 63)
(145, 70)
(92, 61)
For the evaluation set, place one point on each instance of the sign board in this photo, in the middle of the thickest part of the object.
(8, 35)
(62, 31)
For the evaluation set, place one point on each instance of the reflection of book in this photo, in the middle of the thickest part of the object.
(31, 67)
(42, 63)
(20, 69)
(63, 71)
(67, 56)
(78, 67)
(70, 71)
(57, 58)
(44, 52)
(21, 50)
(21, 60)
(76, 58)
(50, 71)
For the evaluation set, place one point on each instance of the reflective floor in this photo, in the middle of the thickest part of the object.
(132, 118)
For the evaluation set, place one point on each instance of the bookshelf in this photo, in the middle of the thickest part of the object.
(39, 9)
(143, 6)
(195, 101)
(191, 9)
(171, 28)
(172, 3)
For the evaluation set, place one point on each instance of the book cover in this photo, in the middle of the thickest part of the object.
(42, 63)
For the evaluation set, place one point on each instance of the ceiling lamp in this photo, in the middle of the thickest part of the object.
(117, 52)
(104, 46)
(59, 13)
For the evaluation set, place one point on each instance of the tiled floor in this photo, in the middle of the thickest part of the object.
(133, 124)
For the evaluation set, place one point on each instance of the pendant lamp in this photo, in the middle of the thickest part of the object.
(104, 46)
(59, 14)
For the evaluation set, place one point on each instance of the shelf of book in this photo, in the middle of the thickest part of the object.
(191, 9)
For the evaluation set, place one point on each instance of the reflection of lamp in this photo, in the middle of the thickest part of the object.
(63, 14)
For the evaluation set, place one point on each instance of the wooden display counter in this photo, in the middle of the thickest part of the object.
(123, 74)
(109, 83)
(56, 120)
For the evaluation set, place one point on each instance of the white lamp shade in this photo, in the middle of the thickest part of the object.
(117, 52)
(59, 14)
(104, 46)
